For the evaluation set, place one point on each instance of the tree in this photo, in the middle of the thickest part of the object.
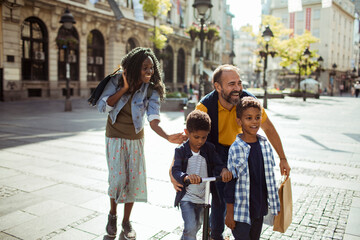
(156, 8)
(291, 53)
(289, 48)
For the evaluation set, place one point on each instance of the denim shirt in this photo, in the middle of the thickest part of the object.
(139, 104)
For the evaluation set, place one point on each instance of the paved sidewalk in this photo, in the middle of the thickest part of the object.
(53, 173)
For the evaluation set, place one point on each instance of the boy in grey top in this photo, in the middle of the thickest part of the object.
(194, 160)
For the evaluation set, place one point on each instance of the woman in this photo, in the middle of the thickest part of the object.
(127, 98)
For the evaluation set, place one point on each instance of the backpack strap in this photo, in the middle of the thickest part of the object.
(149, 91)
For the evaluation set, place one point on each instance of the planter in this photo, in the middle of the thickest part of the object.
(173, 104)
(308, 95)
(193, 34)
(270, 95)
(210, 35)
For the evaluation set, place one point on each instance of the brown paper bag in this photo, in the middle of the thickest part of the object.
(284, 218)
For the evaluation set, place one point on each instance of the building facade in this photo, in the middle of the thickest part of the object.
(334, 26)
(32, 59)
(245, 59)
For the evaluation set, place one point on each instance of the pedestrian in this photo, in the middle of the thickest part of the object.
(341, 87)
(252, 192)
(220, 105)
(126, 101)
(196, 159)
(357, 88)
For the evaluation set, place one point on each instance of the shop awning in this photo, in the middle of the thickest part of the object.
(208, 72)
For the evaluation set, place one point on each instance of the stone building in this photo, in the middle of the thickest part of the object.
(334, 26)
(245, 58)
(33, 65)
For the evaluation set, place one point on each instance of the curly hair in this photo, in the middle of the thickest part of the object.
(132, 63)
(245, 103)
(198, 120)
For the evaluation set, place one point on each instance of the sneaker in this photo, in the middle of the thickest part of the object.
(111, 226)
(129, 232)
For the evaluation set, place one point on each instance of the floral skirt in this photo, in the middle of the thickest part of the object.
(127, 173)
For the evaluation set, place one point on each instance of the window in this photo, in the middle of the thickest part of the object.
(317, 14)
(129, 4)
(285, 19)
(181, 66)
(168, 18)
(130, 45)
(68, 50)
(300, 16)
(95, 56)
(168, 67)
(316, 32)
(34, 41)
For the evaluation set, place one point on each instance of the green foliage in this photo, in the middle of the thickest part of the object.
(160, 37)
(70, 41)
(156, 7)
(212, 32)
(176, 95)
(288, 47)
(291, 53)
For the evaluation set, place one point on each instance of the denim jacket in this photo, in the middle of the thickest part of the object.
(139, 104)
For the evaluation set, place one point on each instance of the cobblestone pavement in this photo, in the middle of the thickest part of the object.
(53, 177)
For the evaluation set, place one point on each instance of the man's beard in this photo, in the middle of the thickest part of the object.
(228, 97)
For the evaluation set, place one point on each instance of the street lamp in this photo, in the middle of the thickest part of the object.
(319, 69)
(202, 7)
(332, 76)
(67, 20)
(306, 55)
(267, 35)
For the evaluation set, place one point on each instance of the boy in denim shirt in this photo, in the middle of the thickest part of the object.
(194, 160)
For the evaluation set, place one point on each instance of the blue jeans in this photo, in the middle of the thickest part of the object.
(192, 214)
(244, 231)
(218, 206)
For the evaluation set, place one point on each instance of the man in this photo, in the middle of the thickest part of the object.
(220, 104)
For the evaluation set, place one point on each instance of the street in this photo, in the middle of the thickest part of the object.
(53, 172)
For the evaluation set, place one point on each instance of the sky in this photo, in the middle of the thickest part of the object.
(245, 11)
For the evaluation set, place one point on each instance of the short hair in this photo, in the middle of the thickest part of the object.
(245, 103)
(198, 120)
(132, 63)
(220, 69)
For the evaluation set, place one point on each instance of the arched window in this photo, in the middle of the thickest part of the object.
(130, 45)
(95, 56)
(168, 61)
(181, 66)
(68, 44)
(34, 41)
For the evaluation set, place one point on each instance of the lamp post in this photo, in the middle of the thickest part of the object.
(332, 76)
(67, 20)
(319, 69)
(306, 55)
(202, 6)
(267, 35)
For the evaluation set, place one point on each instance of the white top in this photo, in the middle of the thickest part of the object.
(195, 193)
